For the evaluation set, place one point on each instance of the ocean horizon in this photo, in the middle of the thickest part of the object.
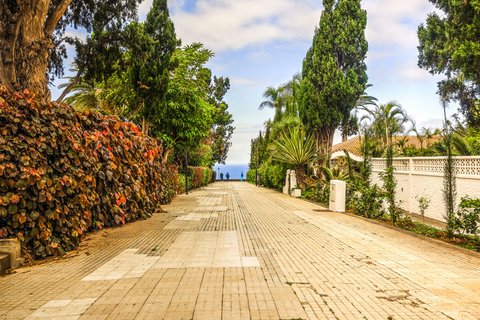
(234, 170)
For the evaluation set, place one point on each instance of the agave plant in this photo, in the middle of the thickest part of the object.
(297, 148)
(334, 174)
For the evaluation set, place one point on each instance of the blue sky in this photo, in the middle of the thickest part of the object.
(261, 43)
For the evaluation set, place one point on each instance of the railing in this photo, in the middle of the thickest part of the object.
(463, 166)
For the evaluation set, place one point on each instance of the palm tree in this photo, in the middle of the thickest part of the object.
(85, 97)
(402, 145)
(350, 124)
(71, 83)
(296, 148)
(422, 134)
(365, 100)
(272, 95)
(290, 91)
(284, 99)
(388, 120)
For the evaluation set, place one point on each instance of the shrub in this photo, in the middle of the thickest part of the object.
(318, 191)
(272, 176)
(63, 174)
(365, 199)
(423, 204)
(251, 175)
(407, 223)
(197, 177)
(468, 215)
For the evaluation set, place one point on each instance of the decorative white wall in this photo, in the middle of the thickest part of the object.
(423, 176)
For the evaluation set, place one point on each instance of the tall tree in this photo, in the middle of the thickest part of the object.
(152, 75)
(449, 44)
(334, 71)
(187, 118)
(134, 69)
(222, 129)
(31, 35)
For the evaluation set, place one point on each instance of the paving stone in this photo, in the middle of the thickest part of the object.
(235, 251)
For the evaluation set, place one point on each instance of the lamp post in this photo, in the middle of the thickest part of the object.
(257, 158)
(186, 172)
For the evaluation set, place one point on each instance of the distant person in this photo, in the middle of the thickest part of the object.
(228, 176)
(221, 176)
(241, 177)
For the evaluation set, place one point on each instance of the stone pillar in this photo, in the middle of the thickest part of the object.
(295, 191)
(12, 248)
(286, 187)
(293, 180)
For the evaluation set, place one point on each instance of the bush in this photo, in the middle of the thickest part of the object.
(63, 174)
(408, 224)
(468, 216)
(318, 191)
(366, 201)
(197, 177)
(272, 176)
(251, 175)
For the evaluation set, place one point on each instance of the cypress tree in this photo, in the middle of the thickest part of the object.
(334, 71)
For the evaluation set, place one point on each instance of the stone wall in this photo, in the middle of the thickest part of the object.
(423, 176)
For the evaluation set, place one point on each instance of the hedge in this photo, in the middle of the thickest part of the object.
(63, 174)
(270, 176)
(197, 177)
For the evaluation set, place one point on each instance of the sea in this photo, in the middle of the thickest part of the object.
(234, 170)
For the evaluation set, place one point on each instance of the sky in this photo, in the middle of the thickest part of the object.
(261, 43)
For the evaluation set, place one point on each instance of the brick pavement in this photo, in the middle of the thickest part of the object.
(234, 251)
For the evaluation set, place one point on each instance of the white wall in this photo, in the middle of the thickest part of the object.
(423, 176)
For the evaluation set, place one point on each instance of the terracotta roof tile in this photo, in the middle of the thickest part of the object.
(353, 145)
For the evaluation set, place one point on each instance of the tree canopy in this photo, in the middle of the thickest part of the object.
(449, 45)
(145, 76)
(32, 35)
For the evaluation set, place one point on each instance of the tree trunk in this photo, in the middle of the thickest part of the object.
(9, 31)
(300, 175)
(34, 49)
(324, 137)
(26, 34)
(344, 135)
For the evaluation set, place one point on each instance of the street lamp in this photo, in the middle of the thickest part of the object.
(186, 172)
(257, 158)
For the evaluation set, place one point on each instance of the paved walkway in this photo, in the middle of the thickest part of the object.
(234, 251)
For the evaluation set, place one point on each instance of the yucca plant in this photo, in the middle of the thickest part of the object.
(334, 174)
(297, 148)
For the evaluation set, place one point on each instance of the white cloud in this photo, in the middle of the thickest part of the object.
(224, 25)
(240, 150)
(239, 81)
(394, 24)
(412, 72)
